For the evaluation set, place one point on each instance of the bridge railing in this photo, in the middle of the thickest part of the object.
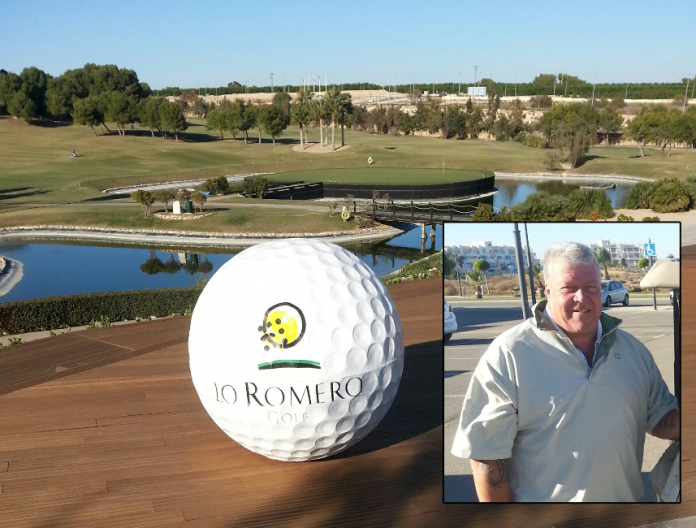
(413, 210)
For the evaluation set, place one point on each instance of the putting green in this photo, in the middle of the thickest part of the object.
(382, 176)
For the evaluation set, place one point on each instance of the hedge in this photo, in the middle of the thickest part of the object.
(77, 310)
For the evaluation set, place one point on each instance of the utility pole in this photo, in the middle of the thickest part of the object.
(526, 314)
(529, 266)
(475, 74)
(459, 93)
(651, 265)
(271, 83)
(626, 94)
(566, 90)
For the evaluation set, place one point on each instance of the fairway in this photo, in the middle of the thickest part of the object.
(382, 176)
(36, 165)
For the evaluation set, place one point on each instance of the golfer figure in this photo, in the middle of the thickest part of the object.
(558, 406)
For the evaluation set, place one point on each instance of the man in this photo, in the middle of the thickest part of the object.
(558, 406)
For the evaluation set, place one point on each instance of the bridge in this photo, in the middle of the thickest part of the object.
(417, 213)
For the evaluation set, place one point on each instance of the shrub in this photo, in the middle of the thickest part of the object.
(640, 196)
(416, 270)
(502, 137)
(363, 221)
(582, 202)
(671, 196)
(624, 218)
(486, 213)
(79, 310)
(543, 207)
(651, 219)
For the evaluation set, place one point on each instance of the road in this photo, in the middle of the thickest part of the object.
(479, 322)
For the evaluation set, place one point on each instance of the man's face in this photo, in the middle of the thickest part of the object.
(574, 297)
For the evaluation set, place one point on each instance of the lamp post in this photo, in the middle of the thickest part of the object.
(686, 92)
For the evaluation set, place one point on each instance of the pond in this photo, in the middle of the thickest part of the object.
(61, 268)
(511, 192)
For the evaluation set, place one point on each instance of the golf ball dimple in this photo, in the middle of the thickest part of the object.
(303, 365)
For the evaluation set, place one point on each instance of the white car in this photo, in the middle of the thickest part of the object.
(450, 322)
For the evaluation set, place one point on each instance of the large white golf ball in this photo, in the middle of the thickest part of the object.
(296, 349)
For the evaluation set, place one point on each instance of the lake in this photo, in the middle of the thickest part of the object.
(62, 268)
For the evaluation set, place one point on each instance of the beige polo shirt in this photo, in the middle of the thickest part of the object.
(571, 432)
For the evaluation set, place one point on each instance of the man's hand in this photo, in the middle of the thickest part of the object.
(492, 480)
(668, 427)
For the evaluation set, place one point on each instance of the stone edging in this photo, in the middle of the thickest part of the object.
(567, 177)
(182, 216)
(193, 238)
(197, 181)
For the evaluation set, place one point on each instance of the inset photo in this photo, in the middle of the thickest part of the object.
(562, 362)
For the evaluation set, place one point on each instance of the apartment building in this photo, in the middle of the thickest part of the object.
(500, 258)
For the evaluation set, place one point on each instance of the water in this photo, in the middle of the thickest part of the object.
(61, 268)
(511, 192)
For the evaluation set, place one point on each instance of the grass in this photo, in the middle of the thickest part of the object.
(382, 175)
(235, 220)
(37, 166)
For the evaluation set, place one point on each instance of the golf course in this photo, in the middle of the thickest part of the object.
(41, 184)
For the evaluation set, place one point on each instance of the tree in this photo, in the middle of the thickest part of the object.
(120, 109)
(604, 259)
(516, 118)
(449, 264)
(216, 121)
(149, 113)
(481, 266)
(273, 121)
(610, 121)
(173, 119)
(144, 198)
(282, 100)
(88, 111)
(336, 105)
(641, 130)
(198, 198)
(643, 263)
(164, 196)
(199, 107)
(301, 112)
(622, 262)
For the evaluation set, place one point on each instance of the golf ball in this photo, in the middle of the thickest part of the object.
(296, 349)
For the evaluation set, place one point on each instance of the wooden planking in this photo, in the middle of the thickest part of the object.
(147, 454)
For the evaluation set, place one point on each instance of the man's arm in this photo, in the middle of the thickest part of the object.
(492, 480)
(668, 427)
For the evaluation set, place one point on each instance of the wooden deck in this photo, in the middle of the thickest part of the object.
(103, 428)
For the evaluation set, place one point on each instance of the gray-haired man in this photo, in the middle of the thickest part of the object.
(558, 406)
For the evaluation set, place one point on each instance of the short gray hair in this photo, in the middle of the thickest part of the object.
(572, 252)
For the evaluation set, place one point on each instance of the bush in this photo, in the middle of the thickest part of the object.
(415, 270)
(671, 196)
(215, 186)
(486, 213)
(255, 186)
(651, 219)
(582, 202)
(502, 137)
(363, 221)
(79, 310)
(640, 196)
(624, 218)
(542, 207)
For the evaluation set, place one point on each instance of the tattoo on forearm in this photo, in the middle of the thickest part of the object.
(667, 423)
(496, 472)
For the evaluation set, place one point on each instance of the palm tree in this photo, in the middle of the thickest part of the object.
(334, 104)
(319, 113)
(301, 112)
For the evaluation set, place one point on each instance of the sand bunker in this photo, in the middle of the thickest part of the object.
(314, 148)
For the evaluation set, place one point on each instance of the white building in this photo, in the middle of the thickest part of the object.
(500, 258)
(631, 252)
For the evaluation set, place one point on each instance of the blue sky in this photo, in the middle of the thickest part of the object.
(212, 43)
(542, 236)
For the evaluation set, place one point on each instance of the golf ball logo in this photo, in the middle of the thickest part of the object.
(283, 327)
(298, 372)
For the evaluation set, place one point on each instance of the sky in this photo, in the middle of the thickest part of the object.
(665, 235)
(192, 44)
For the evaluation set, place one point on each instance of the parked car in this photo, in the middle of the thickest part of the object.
(612, 292)
(450, 322)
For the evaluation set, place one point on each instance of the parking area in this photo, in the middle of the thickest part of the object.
(479, 322)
